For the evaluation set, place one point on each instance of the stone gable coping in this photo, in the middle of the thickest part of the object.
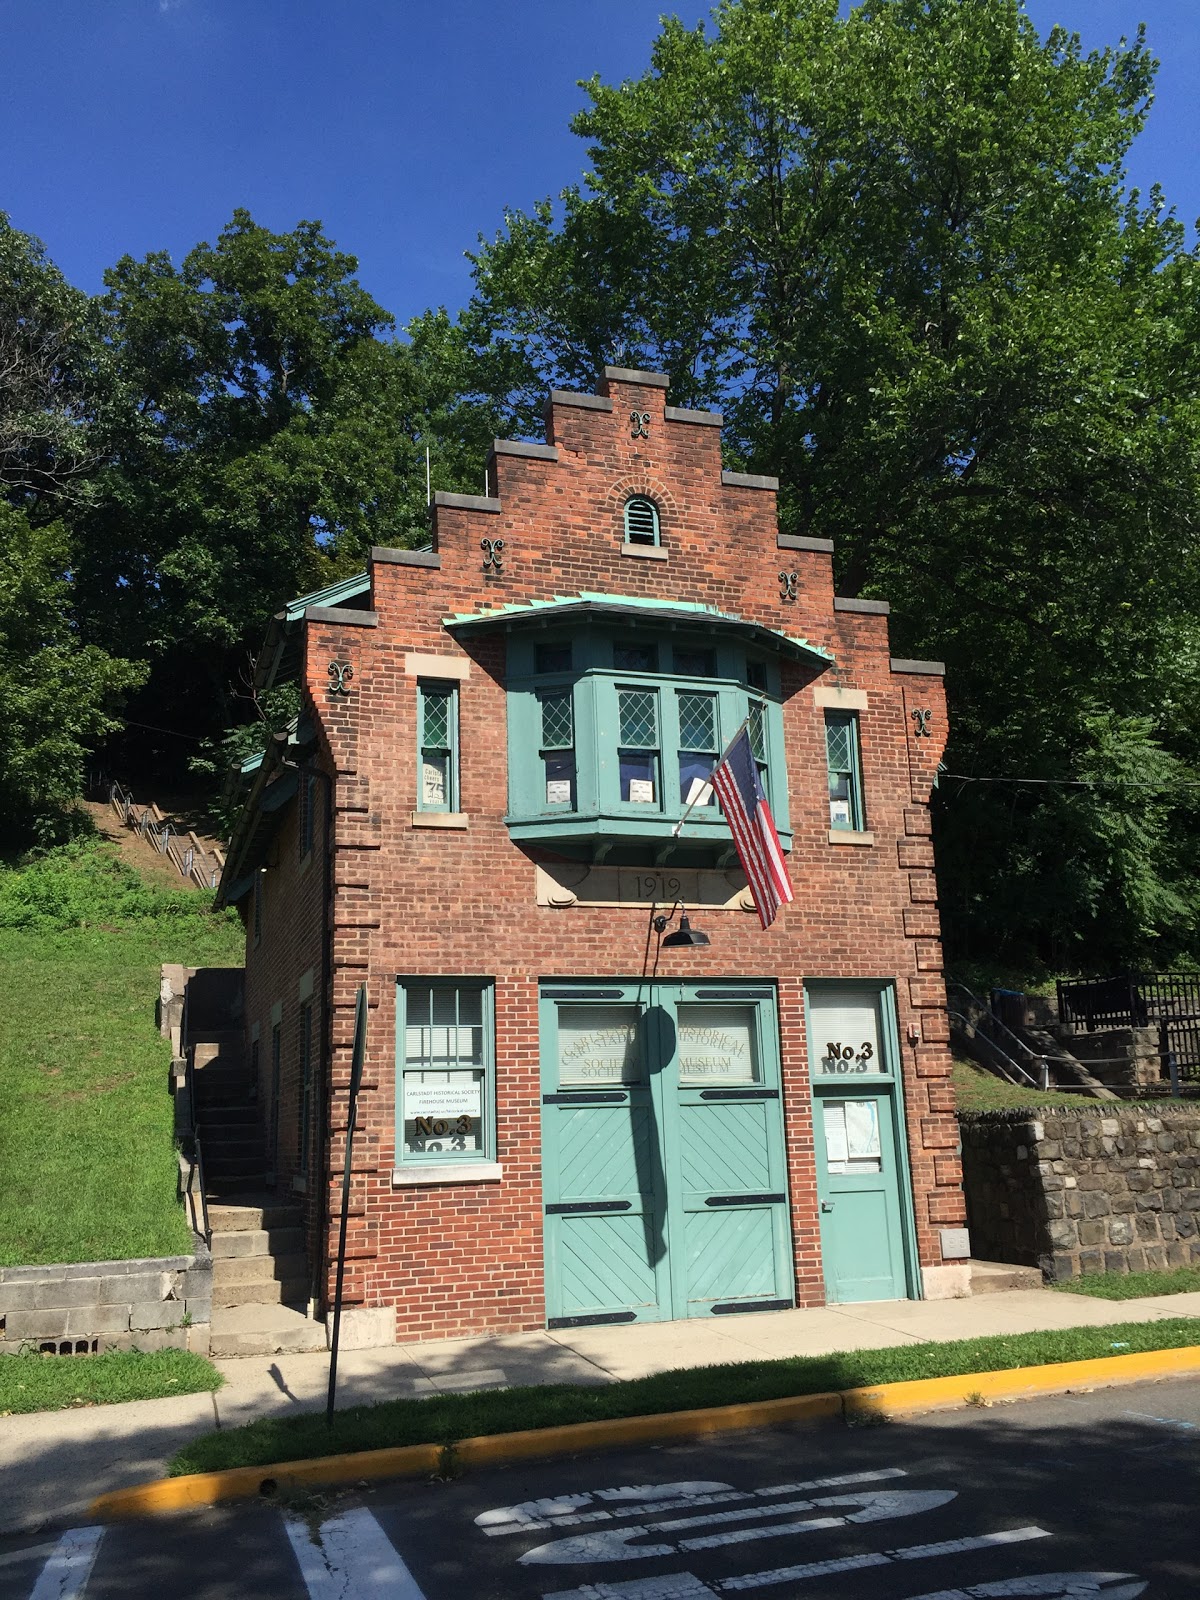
(800, 541)
(345, 619)
(585, 402)
(748, 480)
(384, 555)
(926, 669)
(653, 380)
(465, 502)
(706, 419)
(520, 447)
(870, 608)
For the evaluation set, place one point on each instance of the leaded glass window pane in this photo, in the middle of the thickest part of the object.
(845, 788)
(695, 663)
(552, 658)
(558, 728)
(635, 658)
(436, 731)
(837, 746)
(697, 722)
(639, 718)
(758, 732)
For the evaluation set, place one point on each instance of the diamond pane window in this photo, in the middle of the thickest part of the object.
(697, 747)
(558, 731)
(697, 722)
(758, 737)
(846, 811)
(639, 718)
(635, 658)
(437, 785)
(552, 658)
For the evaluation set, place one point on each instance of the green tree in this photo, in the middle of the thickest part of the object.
(897, 249)
(51, 377)
(58, 697)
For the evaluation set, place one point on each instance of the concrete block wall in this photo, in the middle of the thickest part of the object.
(1092, 1189)
(157, 1303)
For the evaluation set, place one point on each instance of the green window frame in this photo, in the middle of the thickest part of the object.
(642, 524)
(847, 811)
(437, 746)
(445, 1071)
(611, 732)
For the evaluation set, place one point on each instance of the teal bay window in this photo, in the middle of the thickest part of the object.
(618, 710)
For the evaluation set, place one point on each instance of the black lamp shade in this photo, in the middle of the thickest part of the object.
(684, 935)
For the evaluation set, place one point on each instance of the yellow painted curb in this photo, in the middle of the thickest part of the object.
(939, 1394)
(494, 1449)
(409, 1461)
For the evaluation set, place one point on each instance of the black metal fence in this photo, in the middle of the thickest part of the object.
(1168, 1001)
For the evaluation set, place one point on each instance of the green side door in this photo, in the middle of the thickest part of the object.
(863, 1190)
(664, 1175)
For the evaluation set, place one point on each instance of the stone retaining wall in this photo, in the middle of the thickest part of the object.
(1088, 1189)
(87, 1306)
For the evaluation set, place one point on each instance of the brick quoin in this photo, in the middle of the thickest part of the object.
(378, 896)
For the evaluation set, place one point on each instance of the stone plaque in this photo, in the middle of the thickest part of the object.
(570, 885)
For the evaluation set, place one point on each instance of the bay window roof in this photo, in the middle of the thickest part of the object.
(617, 608)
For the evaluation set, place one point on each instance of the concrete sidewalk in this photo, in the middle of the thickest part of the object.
(52, 1464)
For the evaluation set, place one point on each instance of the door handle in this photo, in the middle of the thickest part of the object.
(826, 1205)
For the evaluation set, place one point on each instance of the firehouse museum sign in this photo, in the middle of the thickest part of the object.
(568, 884)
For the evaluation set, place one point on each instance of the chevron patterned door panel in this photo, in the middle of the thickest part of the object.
(664, 1180)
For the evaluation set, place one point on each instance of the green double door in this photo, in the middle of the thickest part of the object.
(664, 1175)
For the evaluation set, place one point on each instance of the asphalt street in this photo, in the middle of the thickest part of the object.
(1087, 1495)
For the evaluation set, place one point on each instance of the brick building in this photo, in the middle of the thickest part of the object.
(567, 1117)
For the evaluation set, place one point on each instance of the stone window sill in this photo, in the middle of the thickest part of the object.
(648, 552)
(440, 819)
(435, 1172)
(849, 836)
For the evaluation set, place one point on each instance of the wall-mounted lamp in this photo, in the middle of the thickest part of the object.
(684, 937)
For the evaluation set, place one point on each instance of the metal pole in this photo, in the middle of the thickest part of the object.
(356, 1070)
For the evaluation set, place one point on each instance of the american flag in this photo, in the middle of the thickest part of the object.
(744, 802)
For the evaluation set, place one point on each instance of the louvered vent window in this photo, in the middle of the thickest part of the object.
(641, 521)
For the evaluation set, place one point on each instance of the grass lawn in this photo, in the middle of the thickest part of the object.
(57, 1383)
(442, 1419)
(87, 1160)
(980, 1090)
(1132, 1285)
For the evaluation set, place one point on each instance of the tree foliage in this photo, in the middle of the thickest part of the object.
(58, 697)
(897, 249)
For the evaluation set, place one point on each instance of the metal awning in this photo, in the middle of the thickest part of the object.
(638, 609)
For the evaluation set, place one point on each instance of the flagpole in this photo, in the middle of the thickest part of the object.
(745, 723)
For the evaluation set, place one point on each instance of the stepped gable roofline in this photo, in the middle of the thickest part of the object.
(647, 380)
(635, 607)
(279, 659)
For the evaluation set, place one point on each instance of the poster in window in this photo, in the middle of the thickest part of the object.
(641, 791)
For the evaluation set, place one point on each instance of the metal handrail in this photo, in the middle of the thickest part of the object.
(989, 1025)
(196, 1157)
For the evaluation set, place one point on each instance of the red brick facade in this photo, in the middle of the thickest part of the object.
(460, 900)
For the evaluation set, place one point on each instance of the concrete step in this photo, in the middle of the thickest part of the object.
(230, 1270)
(227, 1191)
(257, 1210)
(245, 1167)
(241, 1140)
(262, 1330)
(242, 1115)
(995, 1277)
(269, 1292)
(218, 1054)
(257, 1242)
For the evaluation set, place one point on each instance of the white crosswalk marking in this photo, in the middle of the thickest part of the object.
(354, 1560)
(569, 1510)
(686, 1586)
(614, 1544)
(1051, 1586)
(65, 1575)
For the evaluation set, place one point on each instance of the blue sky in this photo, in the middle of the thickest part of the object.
(406, 127)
